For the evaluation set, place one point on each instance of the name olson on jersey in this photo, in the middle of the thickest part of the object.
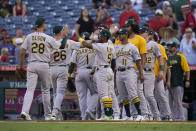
(123, 53)
(83, 51)
(38, 38)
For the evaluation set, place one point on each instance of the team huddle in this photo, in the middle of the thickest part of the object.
(98, 63)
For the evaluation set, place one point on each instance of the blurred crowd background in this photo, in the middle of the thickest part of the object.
(173, 20)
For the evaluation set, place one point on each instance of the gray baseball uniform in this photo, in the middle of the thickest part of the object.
(59, 69)
(87, 94)
(126, 55)
(39, 47)
(153, 51)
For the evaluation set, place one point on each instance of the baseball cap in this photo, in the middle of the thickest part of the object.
(57, 29)
(151, 32)
(86, 34)
(123, 31)
(144, 30)
(19, 40)
(39, 22)
(158, 12)
(130, 22)
(105, 33)
(166, 3)
(172, 44)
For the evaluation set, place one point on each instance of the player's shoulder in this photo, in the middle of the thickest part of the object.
(117, 43)
(180, 54)
(140, 37)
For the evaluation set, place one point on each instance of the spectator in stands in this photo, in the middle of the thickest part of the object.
(5, 9)
(188, 46)
(190, 21)
(19, 34)
(19, 42)
(84, 24)
(151, 4)
(4, 55)
(100, 3)
(166, 5)
(118, 4)
(158, 21)
(7, 43)
(19, 9)
(102, 16)
(171, 18)
(168, 35)
(127, 14)
(2, 34)
(177, 9)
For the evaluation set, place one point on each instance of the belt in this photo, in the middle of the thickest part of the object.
(39, 61)
(89, 67)
(147, 69)
(104, 66)
(59, 65)
(124, 68)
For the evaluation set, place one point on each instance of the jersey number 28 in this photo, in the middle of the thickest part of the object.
(38, 48)
(59, 55)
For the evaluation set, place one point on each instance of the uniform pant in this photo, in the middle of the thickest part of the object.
(35, 71)
(143, 102)
(86, 92)
(175, 101)
(161, 98)
(59, 84)
(149, 80)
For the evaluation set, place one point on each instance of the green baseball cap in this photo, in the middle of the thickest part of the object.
(86, 34)
(173, 44)
(130, 22)
(123, 31)
(39, 22)
(144, 30)
(57, 29)
(105, 33)
(151, 32)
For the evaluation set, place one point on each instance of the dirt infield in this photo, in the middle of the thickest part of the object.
(108, 122)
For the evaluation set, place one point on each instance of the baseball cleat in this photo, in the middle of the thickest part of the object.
(146, 118)
(50, 118)
(157, 119)
(116, 118)
(106, 118)
(139, 118)
(25, 116)
(167, 118)
(130, 118)
(90, 115)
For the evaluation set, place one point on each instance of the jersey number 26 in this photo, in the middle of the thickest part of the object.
(59, 55)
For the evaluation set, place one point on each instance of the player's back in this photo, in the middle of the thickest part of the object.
(39, 46)
(104, 53)
(84, 57)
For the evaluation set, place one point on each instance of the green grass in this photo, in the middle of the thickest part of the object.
(41, 126)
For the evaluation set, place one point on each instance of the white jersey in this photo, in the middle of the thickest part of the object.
(126, 55)
(83, 57)
(63, 56)
(39, 46)
(104, 53)
(153, 51)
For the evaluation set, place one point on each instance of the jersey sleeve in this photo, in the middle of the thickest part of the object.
(98, 47)
(184, 63)
(74, 57)
(135, 54)
(142, 46)
(163, 53)
(55, 44)
(25, 43)
(157, 50)
(73, 45)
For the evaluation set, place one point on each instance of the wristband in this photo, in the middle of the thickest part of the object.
(161, 68)
(68, 75)
(81, 40)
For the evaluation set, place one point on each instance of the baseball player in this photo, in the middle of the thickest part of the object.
(153, 52)
(140, 43)
(159, 90)
(178, 66)
(126, 77)
(103, 75)
(59, 69)
(39, 47)
(87, 94)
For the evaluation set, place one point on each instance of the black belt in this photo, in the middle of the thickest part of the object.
(89, 67)
(39, 61)
(124, 68)
(104, 66)
(147, 69)
(59, 65)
